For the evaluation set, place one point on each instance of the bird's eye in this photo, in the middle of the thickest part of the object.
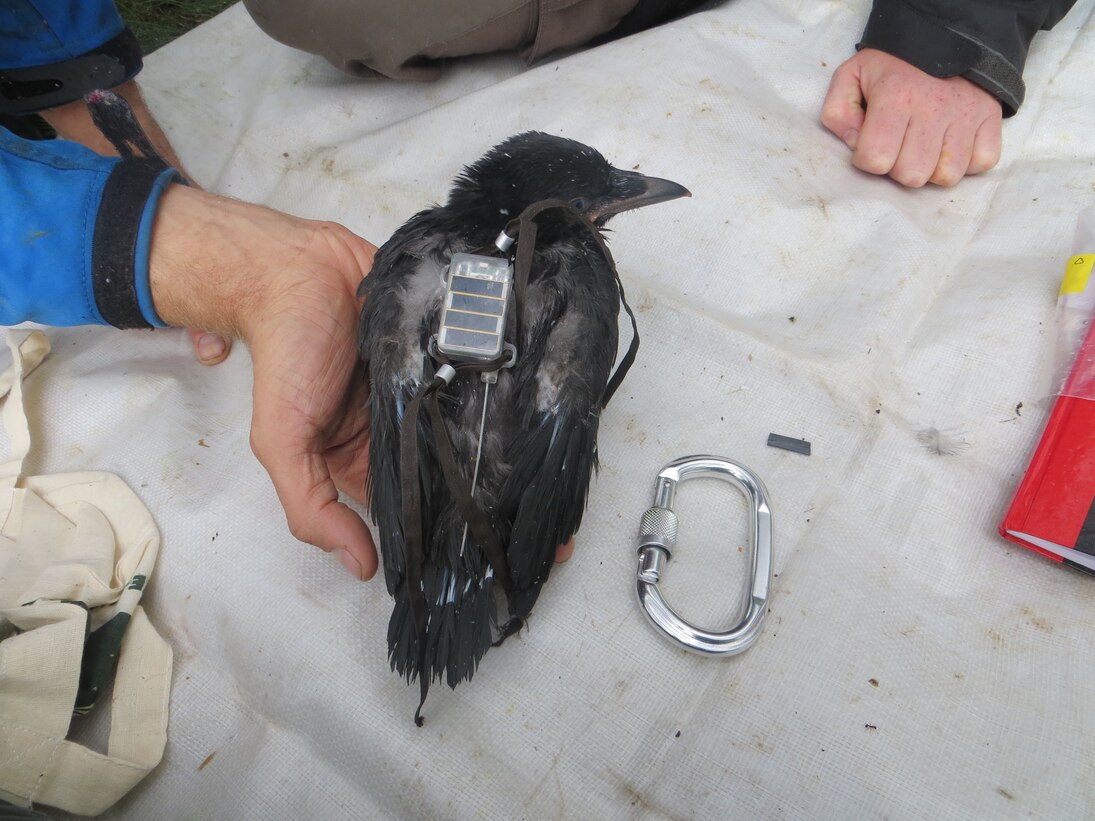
(580, 203)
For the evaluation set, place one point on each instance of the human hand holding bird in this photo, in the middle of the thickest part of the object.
(286, 286)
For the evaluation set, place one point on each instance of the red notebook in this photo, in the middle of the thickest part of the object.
(1053, 511)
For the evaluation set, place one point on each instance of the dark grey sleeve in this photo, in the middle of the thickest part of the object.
(985, 41)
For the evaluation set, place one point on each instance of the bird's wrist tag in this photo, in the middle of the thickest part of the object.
(473, 319)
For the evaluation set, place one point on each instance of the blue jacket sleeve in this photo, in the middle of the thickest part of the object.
(55, 51)
(75, 229)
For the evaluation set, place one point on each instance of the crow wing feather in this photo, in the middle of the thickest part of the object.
(570, 351)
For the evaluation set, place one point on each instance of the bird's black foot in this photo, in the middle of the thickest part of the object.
(512, 626)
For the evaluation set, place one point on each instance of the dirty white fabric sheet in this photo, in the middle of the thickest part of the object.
(913, 664)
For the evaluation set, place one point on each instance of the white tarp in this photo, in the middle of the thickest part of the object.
(914, 665)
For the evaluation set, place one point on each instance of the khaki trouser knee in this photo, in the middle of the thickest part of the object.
(406, 40)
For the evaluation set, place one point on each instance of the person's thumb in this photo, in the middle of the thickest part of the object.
(843, 112)
(312, 509)
(210, 348)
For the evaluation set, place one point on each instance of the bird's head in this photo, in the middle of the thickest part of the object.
(535, 166)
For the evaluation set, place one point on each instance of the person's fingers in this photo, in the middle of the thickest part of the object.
(954, 157)
(882, 135)
(842, 111)
(347, 451)
(312, 509)
(920, 152)
(564, 551)
(987, 143)
(916, 128)
(210, 348)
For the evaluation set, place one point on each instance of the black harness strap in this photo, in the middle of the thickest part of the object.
(478, 522)
(632, 349)
(411, 500)
(523, 228)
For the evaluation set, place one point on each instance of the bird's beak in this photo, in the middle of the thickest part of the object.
(651, 191)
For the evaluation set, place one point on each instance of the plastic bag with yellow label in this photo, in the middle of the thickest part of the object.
(1075, 305)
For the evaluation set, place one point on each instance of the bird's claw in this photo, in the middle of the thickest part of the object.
(512, 626)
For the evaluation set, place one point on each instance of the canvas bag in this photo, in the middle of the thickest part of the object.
(76, 551)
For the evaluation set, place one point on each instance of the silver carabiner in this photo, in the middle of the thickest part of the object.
(658, 536)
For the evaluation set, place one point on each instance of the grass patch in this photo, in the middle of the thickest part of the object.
(157, 22)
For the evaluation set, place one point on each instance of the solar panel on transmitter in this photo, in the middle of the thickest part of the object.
(473, 321)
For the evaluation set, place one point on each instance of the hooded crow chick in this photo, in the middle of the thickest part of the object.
(539, 445)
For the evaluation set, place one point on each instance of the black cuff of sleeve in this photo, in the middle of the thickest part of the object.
(114, 247)
(34, 89)
(903, 31)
